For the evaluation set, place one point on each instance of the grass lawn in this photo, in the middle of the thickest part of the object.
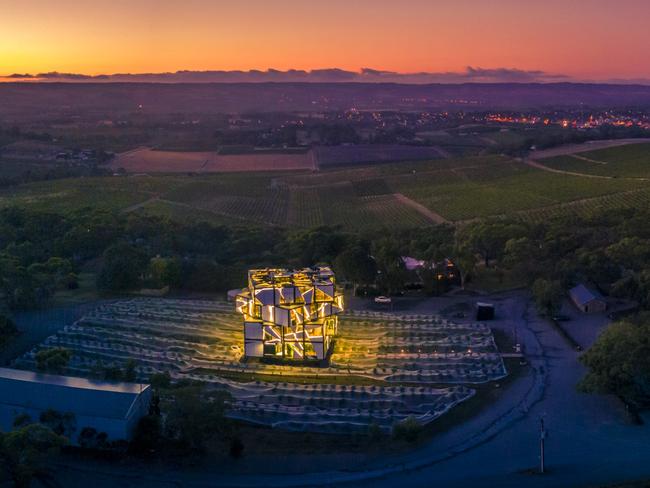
(87, 292)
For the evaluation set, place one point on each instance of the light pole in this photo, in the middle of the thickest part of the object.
(542, 437)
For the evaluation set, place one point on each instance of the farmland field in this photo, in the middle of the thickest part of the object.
(146, 160)
(396, 195)
(631, 161)
(373, 153)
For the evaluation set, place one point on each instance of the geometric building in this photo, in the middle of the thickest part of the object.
(290, 314)
(112, 409)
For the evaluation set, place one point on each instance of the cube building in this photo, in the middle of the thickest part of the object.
(290, 314)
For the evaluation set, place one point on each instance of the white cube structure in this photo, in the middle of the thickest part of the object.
(290, 314)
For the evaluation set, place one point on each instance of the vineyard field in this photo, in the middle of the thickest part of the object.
(630, 161)
(356, 199)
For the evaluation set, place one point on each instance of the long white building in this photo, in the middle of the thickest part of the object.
(113, 408)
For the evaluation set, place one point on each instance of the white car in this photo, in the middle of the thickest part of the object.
(382, 299)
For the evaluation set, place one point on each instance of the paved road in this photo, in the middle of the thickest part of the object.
(589, 442)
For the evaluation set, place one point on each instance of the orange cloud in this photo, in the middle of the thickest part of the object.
(583, 38)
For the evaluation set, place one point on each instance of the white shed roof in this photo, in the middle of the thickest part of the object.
(68, 394)
(582, 295)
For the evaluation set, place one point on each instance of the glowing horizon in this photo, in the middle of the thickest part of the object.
(584, 39)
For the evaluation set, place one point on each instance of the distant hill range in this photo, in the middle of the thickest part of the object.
(29, 99)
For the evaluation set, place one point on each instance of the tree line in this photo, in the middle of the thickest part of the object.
(42, 252)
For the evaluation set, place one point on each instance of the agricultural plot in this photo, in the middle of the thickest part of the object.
(63, 196)
(269, 210)
(359, 198)
(417, 349)
(629, 161)
(304, 208)
(384, 368)
(10, 168)
(340, 408)
(184, 213)
(145, 160)
(504, 189)
(589, 207)
(236, 197)
(340, 205)
(372, 153)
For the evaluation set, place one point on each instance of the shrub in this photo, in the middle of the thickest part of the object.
(408, 429)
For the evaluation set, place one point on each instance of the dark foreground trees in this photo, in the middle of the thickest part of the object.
(7, 330)
(53, 360)
(619, 363)
(41, 252)
(195, 416)
(24, 450)
(548, 296)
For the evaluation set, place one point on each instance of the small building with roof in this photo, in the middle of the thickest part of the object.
(587, 300)
(107, 407)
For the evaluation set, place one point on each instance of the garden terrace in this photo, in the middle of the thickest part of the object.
(384, 367)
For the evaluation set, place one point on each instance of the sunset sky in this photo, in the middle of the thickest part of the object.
(585, 39)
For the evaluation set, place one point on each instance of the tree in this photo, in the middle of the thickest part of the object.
(165, 271)
(236, 448)
(548, 296)
(147, 435)
(319, 245)
(89, 438)
(60, 423)
(630, 252)
(408, 429)
(488, 238)
(24, 450)
(619, 363)
(194, 417)
(17, 285)
(466, 262)
(130, 373)
(523, 256)
(54, 360)
(392, 273)
(635, 286)
(123, 267)
(160, 380)
(375, 434)
(21, 420)
(356, 265)
(7, 329)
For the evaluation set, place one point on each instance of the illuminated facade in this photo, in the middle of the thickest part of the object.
(290, 314)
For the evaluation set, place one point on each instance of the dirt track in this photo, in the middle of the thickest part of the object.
(432, 216)
(535, 164)
(534, 157)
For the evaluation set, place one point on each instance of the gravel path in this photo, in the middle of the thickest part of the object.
(429, 214)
